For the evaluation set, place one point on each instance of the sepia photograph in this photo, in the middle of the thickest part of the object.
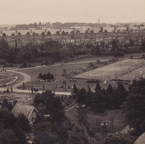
(72, 72)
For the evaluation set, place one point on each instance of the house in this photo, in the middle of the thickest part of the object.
(29, 111)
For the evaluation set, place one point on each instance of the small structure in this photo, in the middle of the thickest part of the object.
(29, 111)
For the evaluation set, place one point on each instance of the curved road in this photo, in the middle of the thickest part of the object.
(26, 77)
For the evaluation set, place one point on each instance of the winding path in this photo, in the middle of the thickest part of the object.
(26, 78)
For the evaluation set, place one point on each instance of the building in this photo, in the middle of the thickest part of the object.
(29, 111)
(74, 35)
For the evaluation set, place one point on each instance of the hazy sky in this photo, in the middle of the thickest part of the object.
(109, 11)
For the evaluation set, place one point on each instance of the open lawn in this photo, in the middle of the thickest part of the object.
(95, 120)
(57, 71)
(118, 123)
(113, 70)
(6, 77)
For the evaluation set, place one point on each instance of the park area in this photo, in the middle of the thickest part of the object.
(127, 69)
(6, 77)
(58, 72)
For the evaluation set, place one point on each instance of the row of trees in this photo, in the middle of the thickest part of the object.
(135, 107)
(132, 102)
(101, 99)
(52, 50)
(49, 50)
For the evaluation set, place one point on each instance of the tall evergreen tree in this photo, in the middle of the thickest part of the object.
(74, 90)
(123, 92)
(23, 122)
(98, 87)
(81, 96)
(110, 89)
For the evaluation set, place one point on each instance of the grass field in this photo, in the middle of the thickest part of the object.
(56, 71)
(118, 123)
(95, 120)
(6, 77)
(112, 71)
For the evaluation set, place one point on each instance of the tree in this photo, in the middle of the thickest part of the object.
(97, 102)
(7, 105)
(98, 87)
(13, 54)
(82, 118)
(48, 33)
(57, 32)
(52, 105)
(19, 133)
(118, 138)
(79, 135)
(115, 44)
(89, 96)
(46, 136)
(4, 49)
(40, 76)
(122, 91)
(143, 44)
(110, 89)
(23, 85)
(135, 107)
(74, 90)
(48, 76)
(7, 136)
(63, 33)
(32, 89)
(131, 42)
(81, 96)
(7, 118)
(42, 33)
(23, 122)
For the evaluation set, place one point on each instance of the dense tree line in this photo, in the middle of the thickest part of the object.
(54, 51)
(49, 50)
(101, 99)
(13, 130)
(48, 76)
(135, 107)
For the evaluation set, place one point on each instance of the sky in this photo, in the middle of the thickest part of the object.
(88, 11)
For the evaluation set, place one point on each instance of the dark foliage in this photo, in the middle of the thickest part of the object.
(135, 106)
